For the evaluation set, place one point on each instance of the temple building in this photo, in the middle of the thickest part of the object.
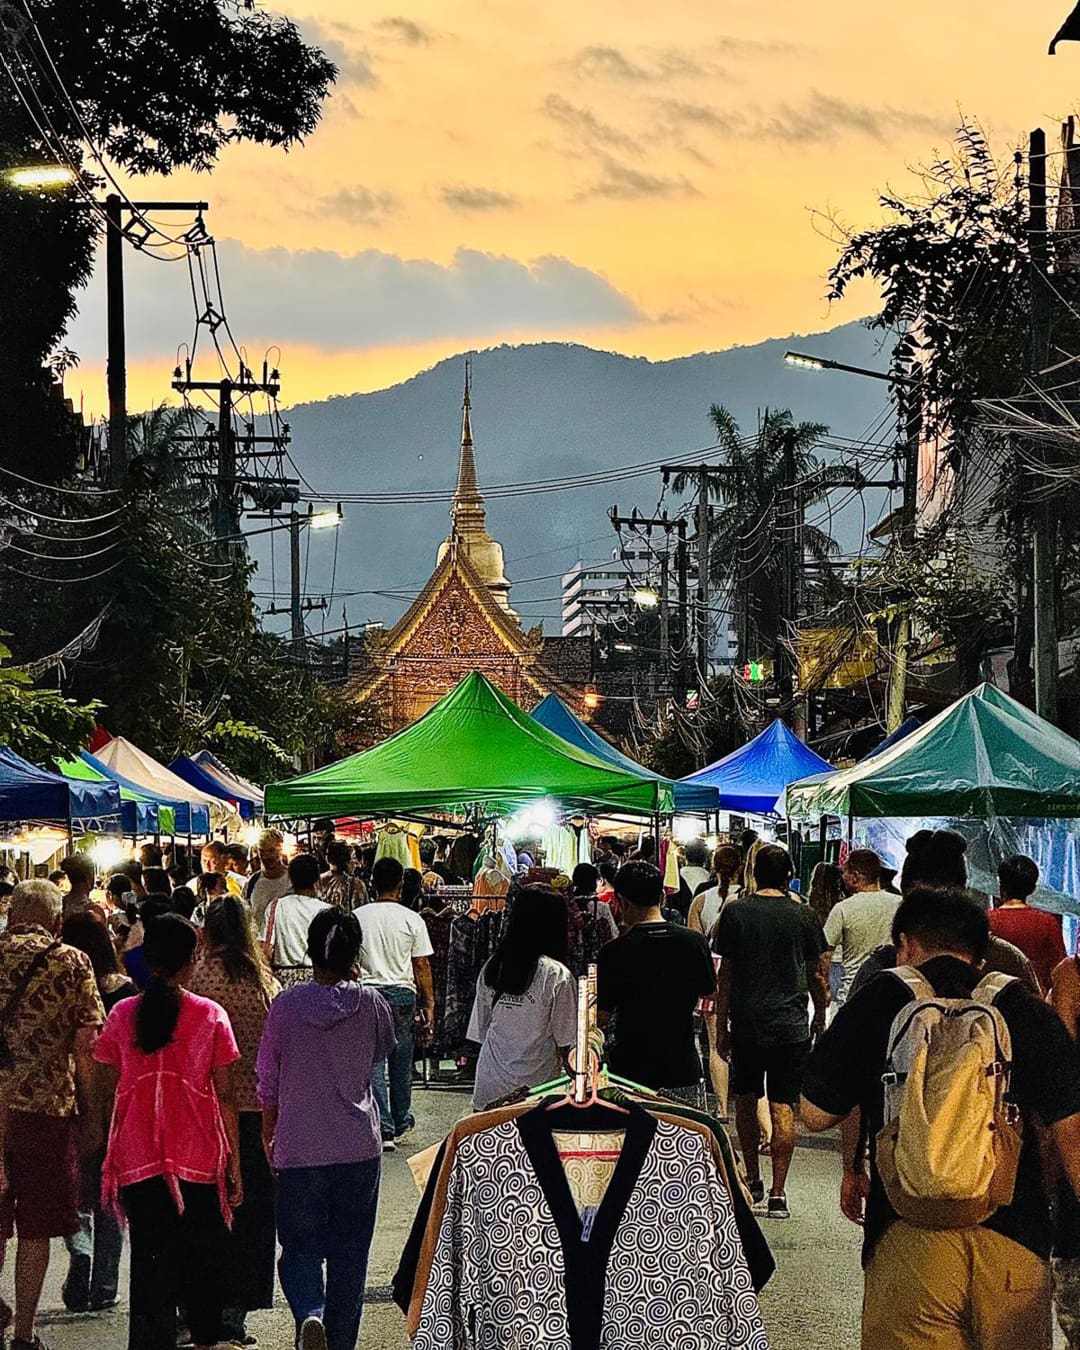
(461, 621)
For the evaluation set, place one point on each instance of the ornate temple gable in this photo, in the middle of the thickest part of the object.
(460, 623)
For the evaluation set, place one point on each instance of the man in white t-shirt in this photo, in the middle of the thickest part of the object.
(271, 881)
(394, 954)
(284, 931)
(861, 923)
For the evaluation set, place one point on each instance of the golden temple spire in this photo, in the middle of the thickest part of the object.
(468, 530)
(467, 498)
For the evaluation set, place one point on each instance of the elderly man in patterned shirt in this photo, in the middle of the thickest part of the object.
(50, 1012)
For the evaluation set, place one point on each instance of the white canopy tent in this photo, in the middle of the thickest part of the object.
(127, 759)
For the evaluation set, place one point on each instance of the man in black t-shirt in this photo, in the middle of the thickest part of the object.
(987, 1286)
(774, 963)
(650, 980)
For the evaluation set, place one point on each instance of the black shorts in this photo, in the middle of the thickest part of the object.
(772, 1071)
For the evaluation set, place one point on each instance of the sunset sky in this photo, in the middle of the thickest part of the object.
(635, 176)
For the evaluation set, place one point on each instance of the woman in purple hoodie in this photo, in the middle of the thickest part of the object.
(321, 1132)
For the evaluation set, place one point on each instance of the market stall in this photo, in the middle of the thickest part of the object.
(986, 766)
(148, 775)
(247, 803)
(753, 778)
(139, 813)
(475, 749)
(28, 793)
(234, 785)
(186, 817)
(688, 797)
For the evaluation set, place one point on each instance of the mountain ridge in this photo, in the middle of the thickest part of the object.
(540, 410)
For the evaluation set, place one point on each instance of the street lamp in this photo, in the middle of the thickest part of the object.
(324, 520)
(294, 522)
(806, 361)
(645, 598)
(35, 177)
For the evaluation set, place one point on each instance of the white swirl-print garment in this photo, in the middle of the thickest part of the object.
(660, 1268)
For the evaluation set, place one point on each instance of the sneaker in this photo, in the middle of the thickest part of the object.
(103, 1304)
(313, 1334)
(778, 1208)
(388, 1146)
(406, 1129)
(757, 1191)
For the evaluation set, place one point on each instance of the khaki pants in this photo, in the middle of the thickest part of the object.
(955, 1289)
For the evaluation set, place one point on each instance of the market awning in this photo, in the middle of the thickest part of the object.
(985, 755)
(475, 747)
(557, 717)
(754, 777)
(148, 775)
(32, 794)
(174, 816)
(139, 814)
(235, 784)
(202, 780)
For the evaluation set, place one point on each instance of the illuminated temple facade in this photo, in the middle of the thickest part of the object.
(461, 621)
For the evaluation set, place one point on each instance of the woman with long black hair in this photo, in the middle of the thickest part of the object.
(233, 971)
(525, 1015)
(173, 1157)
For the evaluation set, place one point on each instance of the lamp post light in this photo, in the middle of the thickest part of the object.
(39, 177)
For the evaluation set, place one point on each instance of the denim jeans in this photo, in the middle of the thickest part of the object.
(326, 1218)
(94, 1271)
(395, 1106)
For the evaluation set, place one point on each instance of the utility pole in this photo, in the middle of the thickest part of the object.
(704, 473)
(298, 606)
(896, 687)
(682, 567)
(228, 487)
(634, 521)
(1044, 567)
(295, 613)
(704, 627)
(116, 334)
(116, 362)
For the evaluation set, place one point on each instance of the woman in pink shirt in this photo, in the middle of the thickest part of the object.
(173, 1157)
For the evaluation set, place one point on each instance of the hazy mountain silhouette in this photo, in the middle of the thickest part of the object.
(541, 410)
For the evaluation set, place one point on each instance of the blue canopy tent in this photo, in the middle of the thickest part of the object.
(905, 728)
(753, 777)
(553, 714)
(187, 817)
(32, 794)
(138, 813)
(235, 784)
(201, 778)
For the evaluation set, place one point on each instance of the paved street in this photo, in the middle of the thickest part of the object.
(811, 1304)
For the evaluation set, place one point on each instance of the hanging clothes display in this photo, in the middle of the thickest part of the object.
(559, 846)
(513, 1246)
(394, 842)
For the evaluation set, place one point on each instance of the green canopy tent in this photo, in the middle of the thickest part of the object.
(474, 748)
(139, 813)
(985, 756)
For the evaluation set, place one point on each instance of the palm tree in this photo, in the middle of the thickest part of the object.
(769, 475)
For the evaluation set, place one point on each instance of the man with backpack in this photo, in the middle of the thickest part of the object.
(953, 1073)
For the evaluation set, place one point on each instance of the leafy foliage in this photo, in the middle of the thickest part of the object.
(756, 516)
(166, 84)
(40, 724)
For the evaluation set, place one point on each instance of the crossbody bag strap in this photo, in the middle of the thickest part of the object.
(36, 964)
(270, 921)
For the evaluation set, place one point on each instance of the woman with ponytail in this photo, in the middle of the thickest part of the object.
(173, 1155)
(321, 1131)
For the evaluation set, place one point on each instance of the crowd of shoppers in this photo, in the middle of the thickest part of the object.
(152, 1067)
